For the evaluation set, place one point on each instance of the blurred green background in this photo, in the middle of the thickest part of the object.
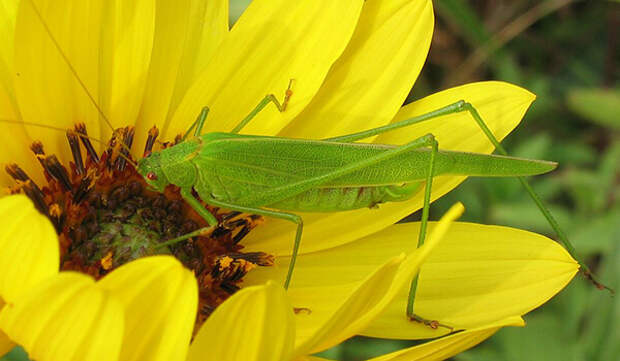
(567, 52)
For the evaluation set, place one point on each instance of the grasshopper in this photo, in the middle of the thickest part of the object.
(276, 176)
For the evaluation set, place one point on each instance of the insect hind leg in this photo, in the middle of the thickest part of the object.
(539, 203)
(463, 106)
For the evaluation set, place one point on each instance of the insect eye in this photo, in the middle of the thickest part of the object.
(151, 176)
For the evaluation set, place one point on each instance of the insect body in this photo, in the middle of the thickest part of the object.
(240, 169)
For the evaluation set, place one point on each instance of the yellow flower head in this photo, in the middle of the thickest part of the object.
(148, 68)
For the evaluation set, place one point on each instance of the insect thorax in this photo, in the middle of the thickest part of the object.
(176, 163)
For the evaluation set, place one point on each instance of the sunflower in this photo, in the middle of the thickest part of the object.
(147, 68)
(145, 309)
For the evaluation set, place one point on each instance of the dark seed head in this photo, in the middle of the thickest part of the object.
(120, 193)
(135, 188)
(160, 202)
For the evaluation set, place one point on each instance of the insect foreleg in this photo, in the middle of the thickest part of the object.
(195, 233)
(206, 215)
(263, 103)
(198, 123)
(541, 206)
(277, 214)
(199, 208)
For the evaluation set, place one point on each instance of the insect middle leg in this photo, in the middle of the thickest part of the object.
(421, 237)
(277, 214)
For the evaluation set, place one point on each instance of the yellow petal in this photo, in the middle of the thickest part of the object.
(478, 274)
(160, 298)
(5, 344)
(351, 307)
(8, 12)
(501, 105)
(13, 137)
(256, 323)
(29, 247)
(449, 346)
(15, 149)
(209, 28)
(326, 312)
(47, 92)
(187, 32)
(370, 81)
(66, 318)
(272, 42)
(126, 43)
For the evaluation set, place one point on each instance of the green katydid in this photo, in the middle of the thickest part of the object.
(249, 173)
(274, 176)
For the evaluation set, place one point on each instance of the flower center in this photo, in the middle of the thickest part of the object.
(105, 217)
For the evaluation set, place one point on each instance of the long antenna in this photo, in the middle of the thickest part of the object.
(74, 73)
(71, 67)
(77, 132)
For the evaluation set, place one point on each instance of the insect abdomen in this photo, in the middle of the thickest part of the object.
(345, 198)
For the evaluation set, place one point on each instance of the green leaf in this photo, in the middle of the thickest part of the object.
(597, 105)
(526, 215)
(545, 341)
(236, 9)
(603, 319)
(597, 234)
(16, 354)
(461, 15)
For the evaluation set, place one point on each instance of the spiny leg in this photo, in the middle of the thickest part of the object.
(539, 203)
(264, 212)
(421, 237)
(198, 123)
(263, 103)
